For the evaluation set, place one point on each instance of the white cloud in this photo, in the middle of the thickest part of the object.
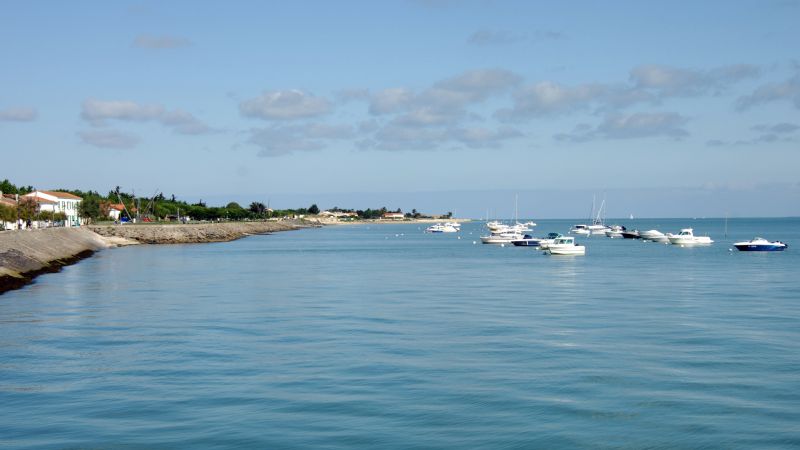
(98, 112)
(668, 81)
(285, 105)
(160, 42)
(788, 90)
(631, 126)
(278, 140)
(391, 100)
(108, 139)
(549, 98)
(18, 114)
(477, 137)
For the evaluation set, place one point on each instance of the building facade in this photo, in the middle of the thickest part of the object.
(59, 202)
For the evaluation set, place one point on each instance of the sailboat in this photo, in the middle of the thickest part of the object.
(598, 225)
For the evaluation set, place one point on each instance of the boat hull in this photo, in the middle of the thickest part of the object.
(697, 240)
(566, 250)
(526, 243)
(760, 248)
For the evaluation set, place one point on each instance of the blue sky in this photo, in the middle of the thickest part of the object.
(415, 102)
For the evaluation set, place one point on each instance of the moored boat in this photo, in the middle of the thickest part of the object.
(545, 242)
(565, 245)
(759, 244)
(687, 237)
(526, 241)
(653, 235)
(632, 234)
(580, 229)
(615, 231)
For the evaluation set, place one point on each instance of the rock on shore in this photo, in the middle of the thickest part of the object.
(27, 254)
(192, 233)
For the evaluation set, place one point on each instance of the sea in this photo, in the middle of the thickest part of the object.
(383, 336)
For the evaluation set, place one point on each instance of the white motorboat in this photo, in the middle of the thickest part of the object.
(455, 225)
(760, 245)
(615, 231)
(545, 242)
(439, 228)
(581, 230)
(565, 245)
(653, 236)
(501, 238)
(687, 237)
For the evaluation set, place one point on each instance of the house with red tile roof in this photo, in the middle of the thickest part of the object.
(59, 202)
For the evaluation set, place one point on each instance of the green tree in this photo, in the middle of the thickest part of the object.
(89, 208)
(7, 188)
(7, 214)
(313, 209)
(257, 208)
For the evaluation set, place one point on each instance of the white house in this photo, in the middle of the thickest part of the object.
(115, 210)
(62, 202)
(393, 216)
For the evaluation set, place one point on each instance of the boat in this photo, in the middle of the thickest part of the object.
(615, 231)
(439, 228)
(501, 238)
(580, 229)
(455, 225)
(598, 225)
(565, 245)
(526, 241)
(653, 236)
(545, 242)
(759, 244)
(687, 237)
(633, 234)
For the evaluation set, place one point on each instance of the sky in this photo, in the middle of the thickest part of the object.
(678, 108)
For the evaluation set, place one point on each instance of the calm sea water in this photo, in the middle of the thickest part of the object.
(383, 336)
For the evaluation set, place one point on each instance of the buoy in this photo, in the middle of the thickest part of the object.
(473, 242)
(502, 245)
(459, 237)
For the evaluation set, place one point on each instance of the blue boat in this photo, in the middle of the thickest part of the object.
(760, 245)
(527, 241)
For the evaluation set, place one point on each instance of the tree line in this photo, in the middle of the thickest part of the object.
(96, 206)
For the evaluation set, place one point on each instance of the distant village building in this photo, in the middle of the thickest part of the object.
(338, 214)
(393, 216)
(115, 211)
(58, 202)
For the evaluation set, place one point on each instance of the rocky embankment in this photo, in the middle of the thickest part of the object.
(193, 233)
(28, 253)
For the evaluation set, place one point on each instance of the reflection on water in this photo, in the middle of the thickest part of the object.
(386, 336)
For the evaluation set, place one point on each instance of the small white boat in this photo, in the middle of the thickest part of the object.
(615, 231)
(581, 230)
(545, 242)
(653, 236)
(439, 228)
(501, 238)
(760, 245)
(565, 245)
(687, 237)
(455, 225)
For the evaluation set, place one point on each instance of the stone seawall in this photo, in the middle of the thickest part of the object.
(192, 233)
(26, 254)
